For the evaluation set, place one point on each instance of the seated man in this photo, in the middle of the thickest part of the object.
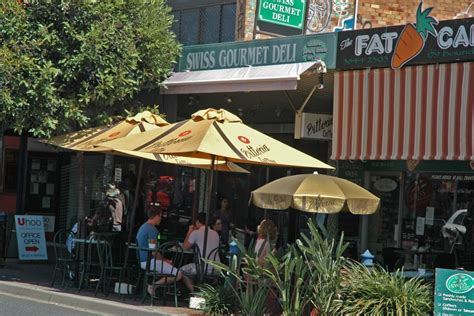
(148, 232)
(195, 236)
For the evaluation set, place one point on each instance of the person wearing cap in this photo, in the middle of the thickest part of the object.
(115, 205)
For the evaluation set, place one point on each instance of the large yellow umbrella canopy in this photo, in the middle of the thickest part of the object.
(317, 194)
(199, 163)
(91, 140)
(217, 134)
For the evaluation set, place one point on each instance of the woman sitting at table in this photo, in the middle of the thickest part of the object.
(149, 232)
(266, 236)
(216, 225)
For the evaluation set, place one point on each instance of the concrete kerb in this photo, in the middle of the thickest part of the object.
(46, 295)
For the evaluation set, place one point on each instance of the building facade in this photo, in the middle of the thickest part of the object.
(405, 134)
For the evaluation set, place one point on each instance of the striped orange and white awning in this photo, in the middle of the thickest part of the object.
(420, 113)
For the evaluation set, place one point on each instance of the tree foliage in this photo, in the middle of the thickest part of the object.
(69, 62)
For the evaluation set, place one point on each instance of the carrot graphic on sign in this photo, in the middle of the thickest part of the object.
(413, 39)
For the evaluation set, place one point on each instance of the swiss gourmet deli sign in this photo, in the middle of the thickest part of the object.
(290, 13)
(451, 40)
(286, 50)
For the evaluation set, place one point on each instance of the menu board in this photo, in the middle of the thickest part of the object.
(454, 292)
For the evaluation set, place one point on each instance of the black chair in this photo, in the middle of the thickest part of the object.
(108, 270)
(393, 258)
(211, 274)
(171, 251)
(65, 261)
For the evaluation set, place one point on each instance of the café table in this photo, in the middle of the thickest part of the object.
(86, 259)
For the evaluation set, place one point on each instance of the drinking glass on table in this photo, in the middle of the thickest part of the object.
(152, 243)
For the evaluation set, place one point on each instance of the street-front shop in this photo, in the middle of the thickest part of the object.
(405, 128)
(267, 83)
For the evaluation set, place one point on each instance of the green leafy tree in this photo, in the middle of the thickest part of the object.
(70, 63)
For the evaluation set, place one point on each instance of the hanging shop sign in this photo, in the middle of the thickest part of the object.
(274, 51)
(30, 237)
(288, 13)
(446, 41)
(313, 126)
(454, 292)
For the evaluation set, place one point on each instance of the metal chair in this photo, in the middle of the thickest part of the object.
(108, 270)
(211, 274)
(65, 260)
(171, 251)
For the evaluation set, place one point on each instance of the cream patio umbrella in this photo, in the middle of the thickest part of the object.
(217, 135)
(315, 193)
(90, 140)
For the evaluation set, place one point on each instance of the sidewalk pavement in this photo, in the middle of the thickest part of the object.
(32, 281)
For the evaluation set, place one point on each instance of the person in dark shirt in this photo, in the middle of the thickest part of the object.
(223, 213)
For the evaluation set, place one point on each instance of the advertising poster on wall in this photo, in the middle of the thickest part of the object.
(454, 292)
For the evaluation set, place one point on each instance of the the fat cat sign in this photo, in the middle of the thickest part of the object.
(436, 42)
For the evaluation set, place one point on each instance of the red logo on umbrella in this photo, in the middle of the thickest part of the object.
(182, 134)
(114, 135)
(244, 139)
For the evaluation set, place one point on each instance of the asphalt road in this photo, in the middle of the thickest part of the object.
(14, 306)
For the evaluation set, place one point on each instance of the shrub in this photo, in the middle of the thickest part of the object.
(374, 291)
(218, 300)
(325, 261)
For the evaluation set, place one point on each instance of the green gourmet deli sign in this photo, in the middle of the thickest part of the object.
(289, 13)
(287, 50)
(454, 292)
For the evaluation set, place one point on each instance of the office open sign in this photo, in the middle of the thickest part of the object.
(30, 237)
(289, 13)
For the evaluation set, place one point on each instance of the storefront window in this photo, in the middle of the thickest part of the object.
(204, 24)
(430, 202)
(10, 167)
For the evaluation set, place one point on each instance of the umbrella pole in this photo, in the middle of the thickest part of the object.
(208, 211)
(134, 210)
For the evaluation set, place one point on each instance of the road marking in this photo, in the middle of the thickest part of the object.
(51, 303)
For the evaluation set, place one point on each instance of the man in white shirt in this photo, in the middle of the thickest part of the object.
(195, 236)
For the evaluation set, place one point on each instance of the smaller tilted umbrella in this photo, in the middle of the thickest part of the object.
(315, 193)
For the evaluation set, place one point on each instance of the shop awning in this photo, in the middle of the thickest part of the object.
(247, 79)
(419, 113)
